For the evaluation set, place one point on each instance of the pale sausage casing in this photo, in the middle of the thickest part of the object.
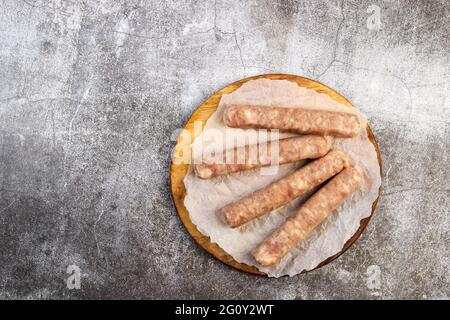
(310, 215)
(289, 150)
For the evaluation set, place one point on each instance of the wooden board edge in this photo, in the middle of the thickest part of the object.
(178, 191)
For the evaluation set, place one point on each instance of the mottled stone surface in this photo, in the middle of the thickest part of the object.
(91, 92)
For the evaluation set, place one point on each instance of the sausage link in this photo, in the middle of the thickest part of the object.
(297, 120)
(310, 215)
(284, 190)
(289, 150)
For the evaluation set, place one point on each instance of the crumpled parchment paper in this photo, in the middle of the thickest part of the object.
(205, 197)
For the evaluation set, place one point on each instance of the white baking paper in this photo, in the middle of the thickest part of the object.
(205, 197)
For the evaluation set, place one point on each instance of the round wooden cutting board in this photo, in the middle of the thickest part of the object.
(178, 171)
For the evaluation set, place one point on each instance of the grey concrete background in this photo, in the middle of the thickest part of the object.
(91, 92)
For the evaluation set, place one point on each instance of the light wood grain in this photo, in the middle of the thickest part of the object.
(178, 171)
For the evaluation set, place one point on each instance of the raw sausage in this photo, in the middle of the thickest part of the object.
(289, 150)
(297, 120)
(311, 214)
(284, 190)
